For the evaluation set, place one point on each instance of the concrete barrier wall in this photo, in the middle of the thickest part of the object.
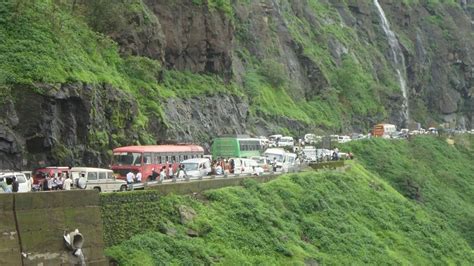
(10, 253)
(41, 220)
(206, 184)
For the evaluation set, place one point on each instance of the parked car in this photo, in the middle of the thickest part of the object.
(100, 179)
(262, 162)
(6, 181)
(284, 160)
(197, 167)
(343, 139)
(323, 155)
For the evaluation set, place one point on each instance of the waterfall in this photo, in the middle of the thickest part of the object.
(397, 58)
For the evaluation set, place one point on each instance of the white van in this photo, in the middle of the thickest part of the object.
(286, 142)
(100, 179)
(284, 160)
(310, 153)
(197, 167)
(6, 180)
(244, 166)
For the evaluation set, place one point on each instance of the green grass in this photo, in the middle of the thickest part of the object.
(360, 216)
(435, 175)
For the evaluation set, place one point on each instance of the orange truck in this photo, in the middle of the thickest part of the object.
(383, 130)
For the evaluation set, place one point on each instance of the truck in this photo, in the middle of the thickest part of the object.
(384, 130)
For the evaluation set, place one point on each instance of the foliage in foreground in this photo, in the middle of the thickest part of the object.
(328, 217)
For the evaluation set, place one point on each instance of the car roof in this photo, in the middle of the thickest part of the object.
(10, 173)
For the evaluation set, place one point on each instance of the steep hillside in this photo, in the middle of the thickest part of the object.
(311, 218)
(79, 77)
(430, 172)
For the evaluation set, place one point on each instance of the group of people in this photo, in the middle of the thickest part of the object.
(165, 172)
(54, 182)
(218, 166)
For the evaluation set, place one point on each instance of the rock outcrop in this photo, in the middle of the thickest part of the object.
(329, 60)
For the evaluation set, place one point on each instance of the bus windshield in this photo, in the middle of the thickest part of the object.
(128, 158)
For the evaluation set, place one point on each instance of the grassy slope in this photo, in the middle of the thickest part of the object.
(333, 218)
(438, 176)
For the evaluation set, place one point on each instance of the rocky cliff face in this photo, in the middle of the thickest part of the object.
(286, 66)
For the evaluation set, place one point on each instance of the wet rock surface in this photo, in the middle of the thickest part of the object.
(69, 124)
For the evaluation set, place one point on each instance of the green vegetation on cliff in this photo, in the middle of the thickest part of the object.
(351, 217)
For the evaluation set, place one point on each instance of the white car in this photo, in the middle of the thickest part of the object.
(99, 179)
(244, 166)
(343, 139)
(197, 167)
(6, 180)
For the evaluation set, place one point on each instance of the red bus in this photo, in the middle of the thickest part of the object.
(145, 158)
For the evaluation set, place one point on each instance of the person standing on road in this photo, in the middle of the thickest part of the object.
(138, 177)
(153, 175)
(274, 164)
(15, 185)
(67, 183)
(219, 170)
(170, 171)
(232, 166)
(181, 172)
(130, 177)
(162, 174)
(5, 187)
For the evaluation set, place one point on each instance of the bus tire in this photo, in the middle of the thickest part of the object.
(97, 188)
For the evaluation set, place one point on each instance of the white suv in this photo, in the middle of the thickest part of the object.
(99, 179)
(6, 181)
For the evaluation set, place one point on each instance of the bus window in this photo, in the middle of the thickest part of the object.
(147, 158)
(128, 158)
(163, 159)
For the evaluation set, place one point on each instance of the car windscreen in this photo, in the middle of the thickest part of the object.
(190, 166)
(20, 178)
(128, 158)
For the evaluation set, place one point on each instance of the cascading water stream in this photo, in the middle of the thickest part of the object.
(398, 60)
